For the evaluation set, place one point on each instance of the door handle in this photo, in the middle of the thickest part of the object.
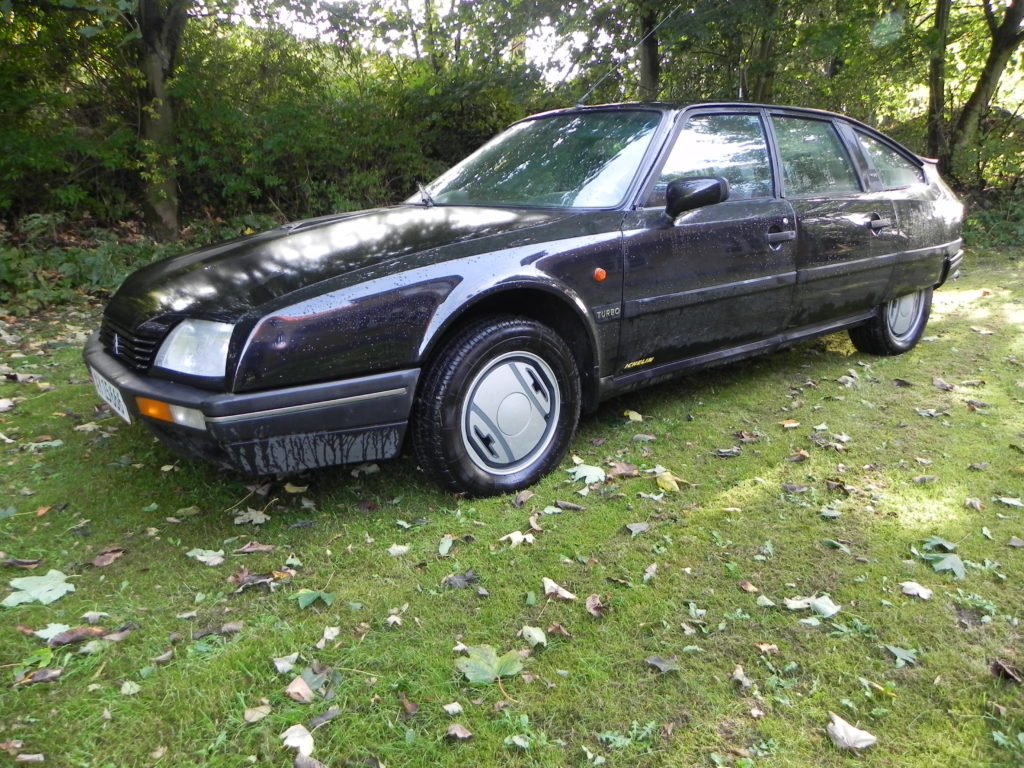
(774, 238)
(877, 222)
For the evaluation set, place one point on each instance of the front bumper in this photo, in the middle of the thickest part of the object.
(280, 431)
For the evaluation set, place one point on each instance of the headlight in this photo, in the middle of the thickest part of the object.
(196, 347)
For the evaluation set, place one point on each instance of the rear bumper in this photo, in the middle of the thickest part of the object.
(279, 431)
(951, 267)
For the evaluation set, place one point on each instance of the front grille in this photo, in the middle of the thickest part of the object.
(135, 348)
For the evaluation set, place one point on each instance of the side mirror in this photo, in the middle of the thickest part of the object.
(687, 194)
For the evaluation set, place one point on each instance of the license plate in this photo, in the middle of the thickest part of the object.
(111, 396)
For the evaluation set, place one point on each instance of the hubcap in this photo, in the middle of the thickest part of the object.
(510, 412)
(902, 315)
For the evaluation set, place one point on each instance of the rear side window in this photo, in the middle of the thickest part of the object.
(895, 170)
(814, 162)
(732, 147)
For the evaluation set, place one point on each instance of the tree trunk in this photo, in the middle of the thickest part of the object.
(160, 26)
(938, 140)
(650, 58)
(1007, 36)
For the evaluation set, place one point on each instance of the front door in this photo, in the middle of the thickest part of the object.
(718, 277)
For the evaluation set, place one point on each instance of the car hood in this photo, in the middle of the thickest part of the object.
(228, 281)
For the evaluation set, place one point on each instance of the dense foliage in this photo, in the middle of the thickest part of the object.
(180, 112)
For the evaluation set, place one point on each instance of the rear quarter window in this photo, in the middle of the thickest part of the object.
(894, 170)
(814, 161)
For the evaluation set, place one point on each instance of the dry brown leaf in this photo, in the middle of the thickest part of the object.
(299, 690)
(553, 589)
(254, 546)
(746, 586)
(594, 606)
(457, 732)
(107, 556)
(75, 635)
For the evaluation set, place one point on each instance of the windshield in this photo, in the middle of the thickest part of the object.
(581, 160)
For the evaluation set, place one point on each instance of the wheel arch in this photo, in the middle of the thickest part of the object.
(541, 303)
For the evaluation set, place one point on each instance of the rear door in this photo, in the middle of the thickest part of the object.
(848, 235)
(720, 276)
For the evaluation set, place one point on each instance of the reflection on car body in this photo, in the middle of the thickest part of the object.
(580, 254)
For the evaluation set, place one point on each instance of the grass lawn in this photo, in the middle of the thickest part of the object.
(813, 472)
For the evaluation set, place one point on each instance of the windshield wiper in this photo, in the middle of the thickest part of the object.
(425, 196)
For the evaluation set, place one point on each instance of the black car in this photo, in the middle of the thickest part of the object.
(579, 254)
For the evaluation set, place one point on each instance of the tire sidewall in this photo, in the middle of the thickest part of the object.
(909, 340)
(506, 337)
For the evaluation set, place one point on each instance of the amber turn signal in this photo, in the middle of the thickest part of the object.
(600, 275)
(154, 409)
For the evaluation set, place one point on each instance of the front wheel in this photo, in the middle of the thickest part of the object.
(497, 407)
(896, 326)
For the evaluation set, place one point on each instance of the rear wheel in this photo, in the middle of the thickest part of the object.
(896, 326)
(497, 407)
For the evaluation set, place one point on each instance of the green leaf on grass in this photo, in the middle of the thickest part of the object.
(938, 544)
(483, 665)
(944, 561)
(38, 589)
(904, 656)
(587, 474)
(306, 597)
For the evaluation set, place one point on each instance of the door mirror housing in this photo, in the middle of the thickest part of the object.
(686, 194)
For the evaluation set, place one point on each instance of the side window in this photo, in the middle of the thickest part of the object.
(895, 170)
(814, 162)
(730, 146)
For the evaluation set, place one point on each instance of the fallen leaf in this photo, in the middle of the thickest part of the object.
(533, 635)
(649, 572)
(664, 665)
(329, 636)
(914, 589)
(252, 516)
(516, 538)
(483, 665)
(902, 383)
(739, 677)
(460, 580)
(130, 688)
(299, 690)
(798, 456)
(620, 469)
(107, 556)
(297, 737)
(453, 709)
(633, 416)
(254, 546)
(285, 664)
(635, 529)
(789, 424)
(397, 550)
(255, 714)
(522, 497)
(820, 604)
(746, 586)
(42, 675)
(587, 473)
(93, 616)
(594, 606)
(20, 562)
(457, 732)
(904, 656)
(846, 736)
(552, 589)
(289, 488)
(207, 556)
(409, 708)
(942, 385)
(38, 589)
(1010, 501)
(1015, 542)
(728, 453)
(768, 649)
(76, 635)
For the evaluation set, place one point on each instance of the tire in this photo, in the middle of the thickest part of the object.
(497, 408)
(896, 326)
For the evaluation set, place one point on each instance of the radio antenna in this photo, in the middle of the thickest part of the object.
(617, 67)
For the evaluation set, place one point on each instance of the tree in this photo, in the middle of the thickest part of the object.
(1005, 36)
